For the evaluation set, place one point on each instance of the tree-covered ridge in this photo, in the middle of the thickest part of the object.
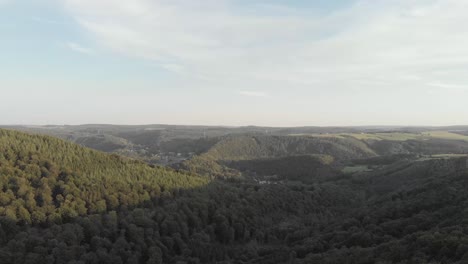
(216, 160)
(203, 149)
(44, 179)
(108, 209)
(422, 219)
(304, 168)
(113, 209)
(261, 146)
(347, 220)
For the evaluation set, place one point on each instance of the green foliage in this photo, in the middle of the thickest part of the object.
(106, 143)
(205, 225)
(304, 168)
(207, 166)
(256, 147)
(62, 203)
(43, 179)
(354, 169)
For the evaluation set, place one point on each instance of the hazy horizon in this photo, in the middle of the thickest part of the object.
(238, 126)
(270, 63)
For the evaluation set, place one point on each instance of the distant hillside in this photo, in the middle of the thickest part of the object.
(263, 155)
(170, 145)
(413, 146)
(216, 161)
(257, 146)
(105, 143)
(414, 213)
(304, 168)
(408, 173)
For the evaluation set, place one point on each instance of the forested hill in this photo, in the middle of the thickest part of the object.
(218, 159)
(247, 147)
(45, 179)
(62, 203)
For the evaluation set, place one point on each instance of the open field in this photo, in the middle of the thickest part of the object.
(442, 156)
(354, 169)
(393, 136)
(444, 135)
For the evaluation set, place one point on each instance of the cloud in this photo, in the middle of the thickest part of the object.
(347, 58)
(44, 20)
(253, 93)
(372, 40)
(449, 86)
(78, 48)
(173, 67)
(204, 37)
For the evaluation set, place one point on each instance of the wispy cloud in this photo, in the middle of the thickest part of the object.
(448, 86)
(44, 20)
(368, 39)
(78, 48)
(344, 58)
(173, 67)
(253, 93)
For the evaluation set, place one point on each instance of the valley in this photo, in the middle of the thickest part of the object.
(248, 197)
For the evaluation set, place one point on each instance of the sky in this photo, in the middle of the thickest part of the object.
(234, 62)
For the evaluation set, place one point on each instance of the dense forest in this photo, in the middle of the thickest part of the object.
(303, 168)
(63, 203)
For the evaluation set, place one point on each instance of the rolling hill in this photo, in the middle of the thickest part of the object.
(47, 179)
(218, 159)
(63, 203)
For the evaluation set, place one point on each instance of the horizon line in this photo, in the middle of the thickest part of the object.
(235, 126)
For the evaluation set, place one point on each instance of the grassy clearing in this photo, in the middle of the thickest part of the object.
(394, 136)
(326, 135)
(384, 136)
(442, 156)
(354, 169)
(444, 135)
(366, 136)
(449, 155)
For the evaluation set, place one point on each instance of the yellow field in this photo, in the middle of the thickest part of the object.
(445, 135)
(397, 136)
